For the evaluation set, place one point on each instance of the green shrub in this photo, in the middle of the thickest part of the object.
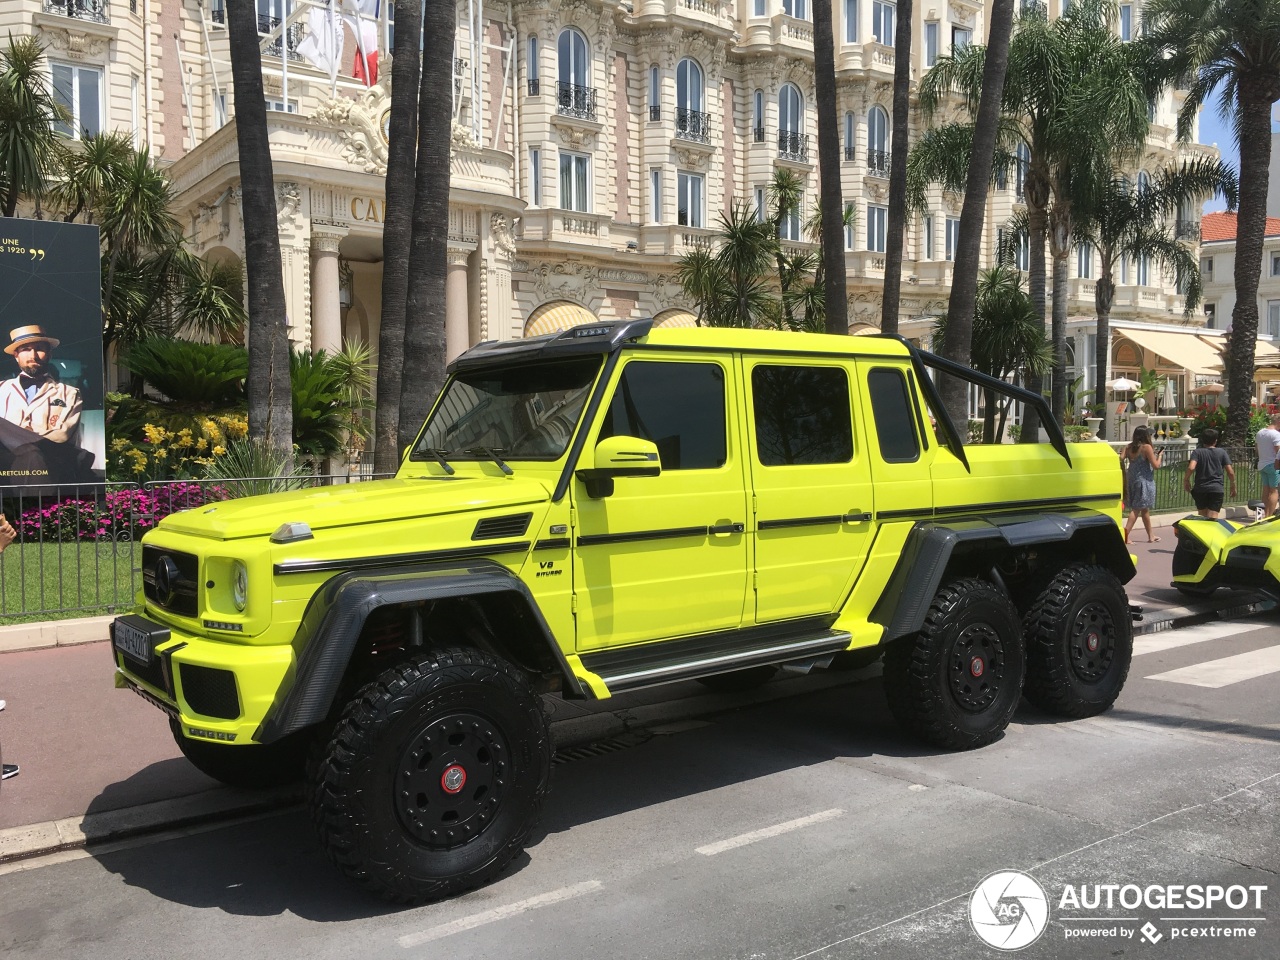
(200, 376)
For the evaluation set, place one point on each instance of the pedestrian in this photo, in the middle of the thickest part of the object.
(1140, 481)
(1268, 440)
(1208, 464)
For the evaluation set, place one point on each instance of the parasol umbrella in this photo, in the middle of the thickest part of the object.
(1166, 398)
(1124, 383)
(1208, 388)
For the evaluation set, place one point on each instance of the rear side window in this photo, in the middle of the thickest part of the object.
(802, 415)
(891, 405)
(679, 406)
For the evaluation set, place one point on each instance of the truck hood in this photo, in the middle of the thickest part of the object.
(373, 501)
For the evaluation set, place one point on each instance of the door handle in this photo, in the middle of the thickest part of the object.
(855, 516)
(725, 528)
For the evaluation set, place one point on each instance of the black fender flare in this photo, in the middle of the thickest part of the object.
(336, 615)
(918, 574)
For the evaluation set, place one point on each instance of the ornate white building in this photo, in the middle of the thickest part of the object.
(594, 142)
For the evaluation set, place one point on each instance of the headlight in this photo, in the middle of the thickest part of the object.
(240, 586)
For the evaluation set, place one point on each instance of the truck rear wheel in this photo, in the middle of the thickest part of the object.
(957, 681)
(254, 766)
(435, 776)
(1079, 642)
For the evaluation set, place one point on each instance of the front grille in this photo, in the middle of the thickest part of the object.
(184, 598)
(210, 692)
(498, 528)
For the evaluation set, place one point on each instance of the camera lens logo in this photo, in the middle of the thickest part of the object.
(1009, 910)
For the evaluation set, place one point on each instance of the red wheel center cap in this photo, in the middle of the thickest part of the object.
(977, 667)
(1091, 642)
(453, 779)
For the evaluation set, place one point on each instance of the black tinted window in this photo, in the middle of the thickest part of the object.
(891, 405)
(802, 415)
(678, 406)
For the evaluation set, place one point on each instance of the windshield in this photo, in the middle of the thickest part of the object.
(527, 412)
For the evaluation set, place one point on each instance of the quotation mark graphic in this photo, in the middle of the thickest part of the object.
(1150, 934)
(37, 254)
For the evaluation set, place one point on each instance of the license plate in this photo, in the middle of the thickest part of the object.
(132, 642)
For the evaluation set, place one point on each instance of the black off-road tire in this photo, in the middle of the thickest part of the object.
(739, 681)
(1079, 642)
(957, 682)
(253, 766)
(435, 776)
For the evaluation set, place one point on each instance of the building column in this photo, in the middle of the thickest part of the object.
(457, 304)
(326, 310)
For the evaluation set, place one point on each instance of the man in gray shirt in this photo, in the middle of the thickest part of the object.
(1209, 464)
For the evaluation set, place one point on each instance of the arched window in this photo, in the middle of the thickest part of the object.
(692, 122)
(878, 142)
(573, 94)
(757, 116)
(655, 94)
(532, 64)
(792, 143)
(1144, 183)
(850, 147)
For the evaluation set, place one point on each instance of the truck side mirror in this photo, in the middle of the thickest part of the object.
(620, 457)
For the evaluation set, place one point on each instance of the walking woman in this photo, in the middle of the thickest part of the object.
(1140, 493)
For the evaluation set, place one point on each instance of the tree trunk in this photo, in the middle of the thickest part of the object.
(1037, 197)
(1254, 110)
(396, 234)
(424, 337)
(1104, 294)
(896, 228)
(270, 396)
(964, 275)
(1060, 248)
(835, 295)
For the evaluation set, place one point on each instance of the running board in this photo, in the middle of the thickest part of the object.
(667, 661)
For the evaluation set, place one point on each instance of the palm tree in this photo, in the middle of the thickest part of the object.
(1234, 45)
(270, 404)
(28, 112)
(424, 337)
(897, 223)
(1008, 338)
(836, 306)
(730, 287)
(87, 175)
(396, 232)
(1122, 222)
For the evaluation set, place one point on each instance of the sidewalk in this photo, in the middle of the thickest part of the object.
(99, 763)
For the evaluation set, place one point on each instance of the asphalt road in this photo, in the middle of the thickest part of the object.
(799, 828)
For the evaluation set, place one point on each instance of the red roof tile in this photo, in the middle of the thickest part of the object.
(1222, 226)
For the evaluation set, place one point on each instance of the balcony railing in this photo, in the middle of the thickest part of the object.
(95, 10)
(575, 101)
(693, 125)
(851, 153)
(757, 134)
(292, 35)
(535, 87)
(1186, 230)
(655, 111)
(878, 163)
(793, 146)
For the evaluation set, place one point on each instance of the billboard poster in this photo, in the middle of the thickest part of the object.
(52, 428)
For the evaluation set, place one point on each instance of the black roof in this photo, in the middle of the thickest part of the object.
(603, 337)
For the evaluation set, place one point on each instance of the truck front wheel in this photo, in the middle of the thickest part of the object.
(1079, 642)
(435, 776)
(957, 681)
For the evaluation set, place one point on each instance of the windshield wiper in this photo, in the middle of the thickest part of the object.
(492, 454)
(437, 455)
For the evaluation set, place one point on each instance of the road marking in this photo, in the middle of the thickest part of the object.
(1171, 639)
(711, 849)
(1228, 670)
(463, 924)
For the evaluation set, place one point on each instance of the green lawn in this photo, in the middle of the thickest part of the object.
(55, 581)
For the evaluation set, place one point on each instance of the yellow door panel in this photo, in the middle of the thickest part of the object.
(902, 441)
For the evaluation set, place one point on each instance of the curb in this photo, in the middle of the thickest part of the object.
(1171, 618)
(42, 634)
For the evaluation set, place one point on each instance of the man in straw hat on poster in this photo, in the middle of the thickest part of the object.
(39, 415)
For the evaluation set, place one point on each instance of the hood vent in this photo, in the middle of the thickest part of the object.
(499, 528)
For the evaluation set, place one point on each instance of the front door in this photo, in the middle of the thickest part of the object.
(665, 556)
(811, 475)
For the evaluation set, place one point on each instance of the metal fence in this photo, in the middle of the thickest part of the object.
(79, 546)
(1171, 495)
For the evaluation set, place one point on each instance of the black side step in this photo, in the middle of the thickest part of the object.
(667, 661)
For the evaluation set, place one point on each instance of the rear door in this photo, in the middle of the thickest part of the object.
(811, 479)
(902, 439)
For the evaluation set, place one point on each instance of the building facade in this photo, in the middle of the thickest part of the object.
(594, 143)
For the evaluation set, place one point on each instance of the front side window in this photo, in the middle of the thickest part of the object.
(529, 412)
(575, 170)
(802, 415)
(78, 90)
(850, 21)
(690, 200)
(678, 406)
(891, 406)
(930, 44)
(877, 226)
(883, 17)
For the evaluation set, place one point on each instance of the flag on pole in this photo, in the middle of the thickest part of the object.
(322, 46)
(361, 17)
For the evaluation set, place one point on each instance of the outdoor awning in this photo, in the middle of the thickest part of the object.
(1266, 356)
(675, 318)
(1181, 349)
(557, 316)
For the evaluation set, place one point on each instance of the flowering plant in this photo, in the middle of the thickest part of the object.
(118, 515)
(174, 453)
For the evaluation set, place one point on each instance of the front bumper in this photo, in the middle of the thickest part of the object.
(217, 690)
